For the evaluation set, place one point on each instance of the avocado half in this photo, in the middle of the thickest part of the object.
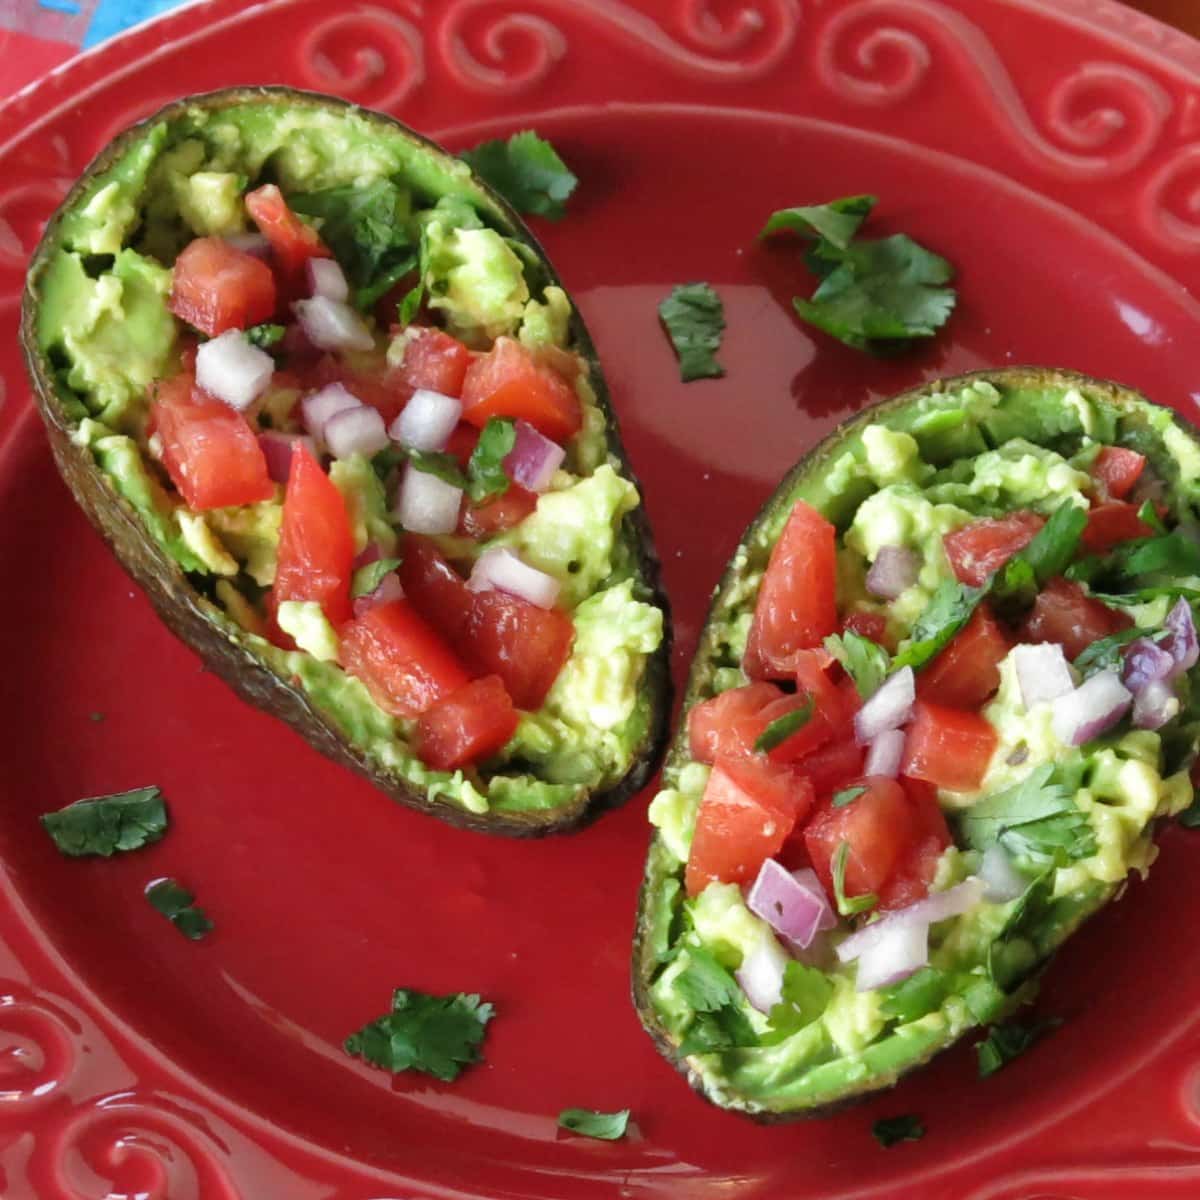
(432, 173)
(767, 1083)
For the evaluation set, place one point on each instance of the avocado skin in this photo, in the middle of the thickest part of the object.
(819, 458)
(187, 613)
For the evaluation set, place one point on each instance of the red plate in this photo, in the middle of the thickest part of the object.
(1048, 149)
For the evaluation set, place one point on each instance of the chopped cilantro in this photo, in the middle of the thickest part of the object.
(713, 993)
(948, 610)
(606, 1126)
(176, 903)
(485, 472)
(804, 997)
(783, 727)
(265, 336)
(917, 995)
(836, 222)
(439, 1035)
(1015, 586)
(889, 1131)
(1005, 1042)
(1106, 654)
(865, 661)
(694, 319)
(527, 171)
(848, 906)
(107, 825)
(438, 462)
(366, 579)
(847, 796)
(1148, 515)
(1123, 568)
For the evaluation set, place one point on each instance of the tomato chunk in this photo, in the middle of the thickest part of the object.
(1111, 523)
(406, 666)
(216, 287)
(292, 241)
(748, 809)
(462, 443)
(316, 544)
(523, 644)
(948, 747)
(978, 549)
(437, 591)
(494, 516)
(467, 726)
(967, 671)
(509, 382)
(727, 725)
(797, 599)
(1066, 614)
(433, 360)
(833, 766)
(1118, 470)
(208, 449)
(929, 837)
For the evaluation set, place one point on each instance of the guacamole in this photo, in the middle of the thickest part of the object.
(246, 327)
(947, 688)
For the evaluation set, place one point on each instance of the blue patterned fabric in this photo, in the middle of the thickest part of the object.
(112, 16)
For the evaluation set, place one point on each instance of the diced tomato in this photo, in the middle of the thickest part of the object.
(406, 666)
(292, 241)
(495, 516)
(365, 379)
(508, 382)
(208, 449)
(833, 708)
(748, 809)
(316, 544)
(815, 732)
(967, 671)
(797, 599)
(726, 725)
(833, 766)
(1118, 470)
(910, 880)
(978, 549)
(1111, 523)
(1066, 614)
(871, 625)
(437, 591)
(948, 747)
(462, 443)
(433, 360)
(523, 644)
(216, 287)
(467, 726)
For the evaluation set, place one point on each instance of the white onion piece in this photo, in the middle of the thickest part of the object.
(789, 906)
(232, 370)
(278, 448)
(253, 244)
(1154, 705)
(895, 956)
(1093, 707)
(939, 906)
(332, 324)
(1042, 673)
(326, 278)
(534, 458)
(1001, 880)
(427, 421)
(889, 708)
(427, 504)
(885, 754)
(894, 570)
(388, 589)
(318, 408)
(761, 974)
(505, 572)
(356, 431)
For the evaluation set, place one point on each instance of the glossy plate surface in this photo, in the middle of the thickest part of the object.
(1050, 150)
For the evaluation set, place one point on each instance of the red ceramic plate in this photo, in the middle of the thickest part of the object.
(1049, 149)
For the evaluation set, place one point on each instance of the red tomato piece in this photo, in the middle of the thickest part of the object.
(365, 380)
(1111, 523)
(833, 766)
(726, 725)
(216, 287)
(910, 880)
(982, 547)
(748, 809)
(495, 516)
(433, 360)
(406, 666)
(316, 543)
(948, 747)
(797, 599)
(435, 589)
(462, 443)
(871, 625)
(469, 725)
(293, 242)
(967, 671)
(509, 382)
(1066, 614)
(208, 449)
(1118, 469)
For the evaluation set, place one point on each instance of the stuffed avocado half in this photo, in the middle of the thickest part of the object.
(946, 687)
(327, 400)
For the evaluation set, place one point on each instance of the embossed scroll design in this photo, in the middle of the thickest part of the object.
(38, 1050)
(488, 46)
(1102, 118)
(1170, 203)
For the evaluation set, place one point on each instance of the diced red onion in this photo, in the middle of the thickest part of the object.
(1093, 707)
(894, 570)
(253, 244)
(806, 877)
(356, 431)
(885, 753)
(332, 324)
(761, 975)
(1146, 662)
(938, 906)
(389, 589)
(790, 907)
(427, 504)
(533, 459)
(1001, 880)
(503, 570)
(277, 449)
(889, 708)
(895, 956)
(1154, 705)
(232, 370)
(1181, 641)
(427, 421)
(1043, 673)
(326, 278)
(318, 408)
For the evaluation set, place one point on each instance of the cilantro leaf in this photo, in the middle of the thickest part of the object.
(609, 1127)
(805, 995)
(889, 1131)
(1148, 515)
(1005, 1042)
(107, 825)
(1015, 586)
(265, 336)
(439, 1035)
(1060, 839)
(865, 661)
(782, 728)
(485, 471)
(847, 796)
(836, 222)
(1106, 654)
(917, 995)
(1124, 567)
(848, 906)
(438, 462)
(527, 171)
(708, 988)
(694, 319)
(176, 903)
(366, 579)
(948, 610)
